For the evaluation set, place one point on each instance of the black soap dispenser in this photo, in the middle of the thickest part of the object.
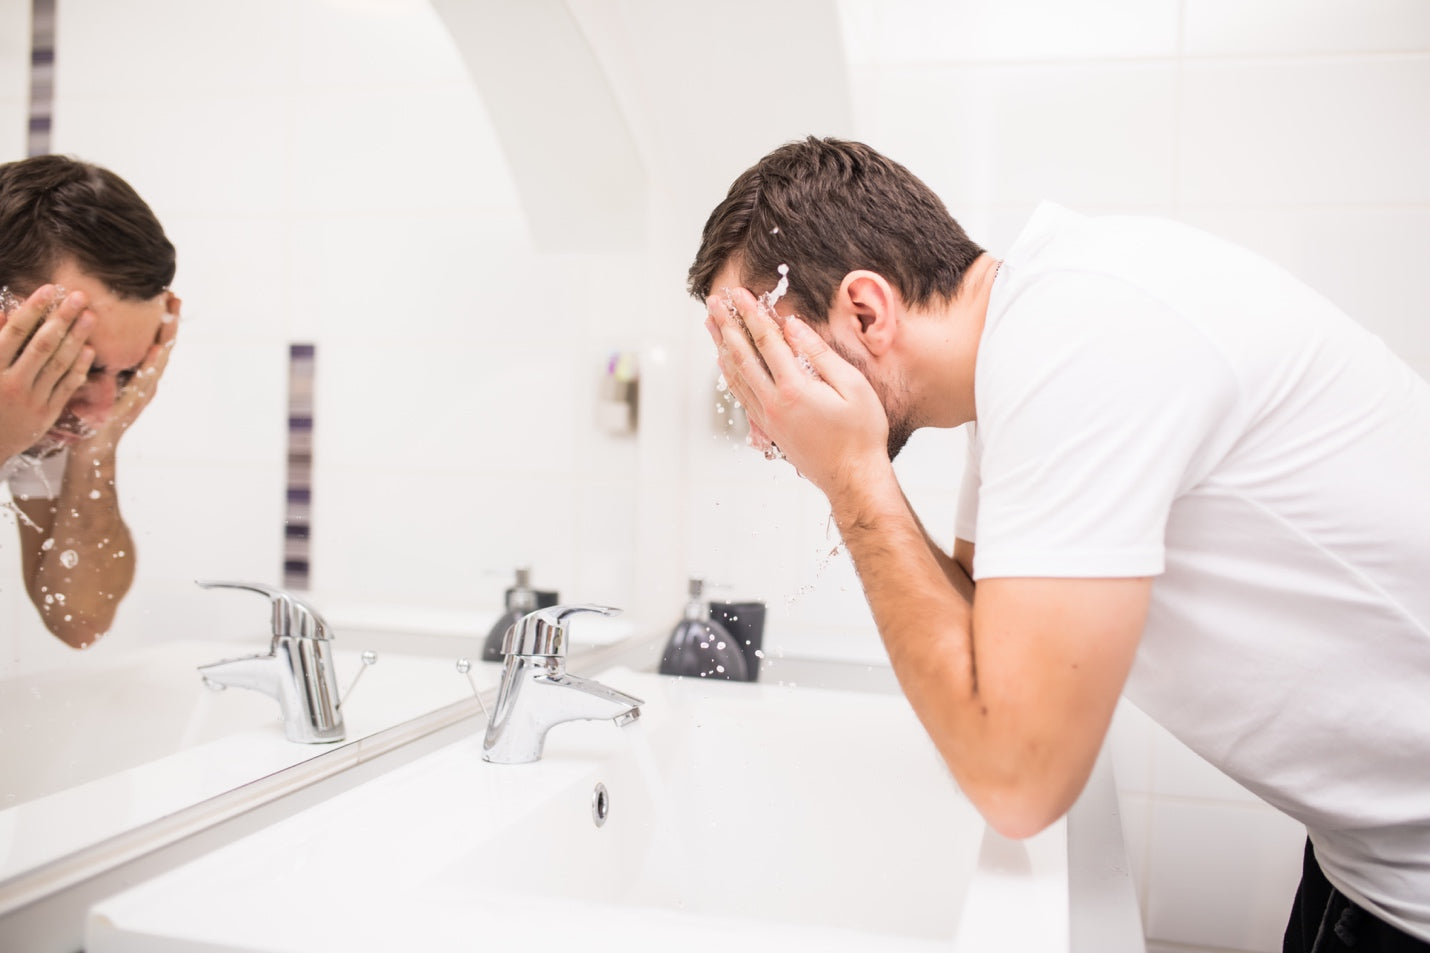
(700, 647)
(520, 600)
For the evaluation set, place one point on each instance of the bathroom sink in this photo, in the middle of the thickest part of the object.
(752, 814)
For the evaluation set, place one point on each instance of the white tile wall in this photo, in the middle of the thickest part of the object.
(1271, 27)
(14, 77)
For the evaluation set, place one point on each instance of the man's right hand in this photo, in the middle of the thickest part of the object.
(43, 361)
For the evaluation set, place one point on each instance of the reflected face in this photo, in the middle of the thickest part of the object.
(124, 330)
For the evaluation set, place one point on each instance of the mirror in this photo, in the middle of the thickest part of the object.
(332, 179)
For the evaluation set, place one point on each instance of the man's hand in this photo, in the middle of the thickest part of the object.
(831, 427)
(43, 361)
(140, 390)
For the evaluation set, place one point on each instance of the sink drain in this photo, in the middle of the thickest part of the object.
(600, 804)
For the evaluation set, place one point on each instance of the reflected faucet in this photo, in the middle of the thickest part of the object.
(298, 670)
(537, 693)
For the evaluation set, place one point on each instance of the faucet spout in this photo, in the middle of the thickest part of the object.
(257, 672)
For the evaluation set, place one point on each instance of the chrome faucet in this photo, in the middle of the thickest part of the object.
(537, 692)
(298, 669)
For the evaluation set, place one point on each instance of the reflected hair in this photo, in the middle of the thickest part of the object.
(54, 208)
(827, 207)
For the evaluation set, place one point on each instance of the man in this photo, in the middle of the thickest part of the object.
(87, 327)
(1190, 479)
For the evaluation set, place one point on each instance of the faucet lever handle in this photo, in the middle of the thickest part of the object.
(292, 617)
(543, 632)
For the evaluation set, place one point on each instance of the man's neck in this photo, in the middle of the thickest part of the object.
(947, 348)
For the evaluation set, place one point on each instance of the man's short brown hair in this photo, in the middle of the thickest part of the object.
(54, 208)
(826, 207)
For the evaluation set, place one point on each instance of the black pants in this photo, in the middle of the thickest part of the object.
(1324, 921)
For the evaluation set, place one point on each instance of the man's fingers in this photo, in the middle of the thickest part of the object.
(62, 361)
(764, 330)
(836, 371)
(72, 381)
(34, 349)
(21, 320)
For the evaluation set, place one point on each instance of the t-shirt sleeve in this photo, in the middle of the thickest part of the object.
(38, 481)
(1098, 405)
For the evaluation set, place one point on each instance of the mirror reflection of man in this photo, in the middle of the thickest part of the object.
(87, 325)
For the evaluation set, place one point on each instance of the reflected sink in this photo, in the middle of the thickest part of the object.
(760, 815)
(108, 744)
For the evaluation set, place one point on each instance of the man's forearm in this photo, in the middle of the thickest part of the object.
(923, 615)
(79, 568)
(953, 571)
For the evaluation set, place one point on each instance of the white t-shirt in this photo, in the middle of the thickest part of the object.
(1153, 401)
(34, 481)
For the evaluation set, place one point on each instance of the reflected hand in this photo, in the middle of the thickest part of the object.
(43, 361)
(141, 388)
(831, 427)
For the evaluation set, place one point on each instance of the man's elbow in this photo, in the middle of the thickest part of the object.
(77, 633)
(1020, 811)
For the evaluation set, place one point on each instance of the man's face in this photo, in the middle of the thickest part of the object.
(124, 330)
(893, 396)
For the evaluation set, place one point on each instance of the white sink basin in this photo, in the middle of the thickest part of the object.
(750, 814)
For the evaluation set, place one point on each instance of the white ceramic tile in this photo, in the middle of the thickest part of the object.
(219, 401)
(938, 30)
(1136, 811)
(1241, 27)
(465, 408)
(741, 539)
(440, 539)
(1221, 876)
(1178, 771)
(603, 540)
(1079, 133)
(460, 277)
(393, 43)
(14, 118)
(233, 273)
(1366, 260)
(1130, 742)
(117, 50)
(387, 149)
(217, 155)
(14, 40)
(1305, 131)
(198, 521)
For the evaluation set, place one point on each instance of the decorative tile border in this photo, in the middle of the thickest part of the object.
(42, 76)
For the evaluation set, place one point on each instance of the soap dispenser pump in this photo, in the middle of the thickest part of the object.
(521, 599)
(700, 647)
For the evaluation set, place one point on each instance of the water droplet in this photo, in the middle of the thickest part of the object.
(69, 559)
(94, 494)
(48, 544)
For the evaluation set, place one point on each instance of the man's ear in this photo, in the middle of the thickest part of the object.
(866, 308)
